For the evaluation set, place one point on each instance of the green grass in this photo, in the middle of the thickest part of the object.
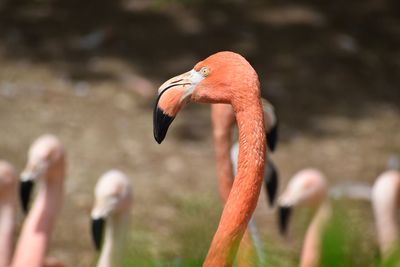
(192, 234)
(347, 240)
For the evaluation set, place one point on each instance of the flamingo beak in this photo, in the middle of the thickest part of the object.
(271, 182)
(99, 214)
(97, 231)
(25, 191)
(172, 96)
(272, 137)
(27, 179)
(271, 121)
(284, 217)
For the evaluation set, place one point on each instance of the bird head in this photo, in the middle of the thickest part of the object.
(45, 161)
(307, 188)
(224, 77)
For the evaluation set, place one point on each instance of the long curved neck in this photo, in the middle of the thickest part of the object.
(36, 231)
(244, 194)
(7, 227)
(114, 233)
(310, 255)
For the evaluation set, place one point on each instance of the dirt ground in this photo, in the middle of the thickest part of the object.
(88, 72)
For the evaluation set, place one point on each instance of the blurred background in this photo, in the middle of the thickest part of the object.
(88, 71)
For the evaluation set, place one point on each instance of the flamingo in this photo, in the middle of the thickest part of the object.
(113, 199)
(224, 77)
(385, 204)
(308, 188)
(46, 164)
(8, 210)
(223, 120)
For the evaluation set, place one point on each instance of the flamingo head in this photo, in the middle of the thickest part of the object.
(224, 77)
(308, 188)
(113, 197)
(45, 160)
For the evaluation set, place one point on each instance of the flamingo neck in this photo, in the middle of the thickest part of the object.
(310, 254)
(246, 187)
(386, 220)
(222, 143)
(7, 227)
(35, 235)
(112, 247)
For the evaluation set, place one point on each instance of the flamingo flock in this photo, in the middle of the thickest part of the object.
(228, 82)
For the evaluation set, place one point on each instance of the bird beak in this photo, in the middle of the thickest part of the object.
(25, 190)
(97, 231)
(172, 96)
(284, 217)
(271, 182)
(272, 137)
(271, 121)
(28, 176)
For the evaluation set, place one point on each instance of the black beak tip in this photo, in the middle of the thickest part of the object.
(161, 123)
(97, 232)
(25, 191)
(284, 217)
(271, 182)
(272, 137)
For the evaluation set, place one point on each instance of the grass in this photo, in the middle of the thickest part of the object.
(345, 242)
(193, 233)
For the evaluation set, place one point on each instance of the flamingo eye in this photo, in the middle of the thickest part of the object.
(204, 71)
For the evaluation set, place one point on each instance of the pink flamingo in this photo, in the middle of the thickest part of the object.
(46, 164)
(113, 199)
(308, 188)
(224, 77)
(385, 204)
(8, 210)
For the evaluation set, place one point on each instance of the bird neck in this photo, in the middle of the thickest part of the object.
(7, 227)
(385, 209)
(246, 187)
(311, 250)
(222, 135)
(113, 241)
(36, 231)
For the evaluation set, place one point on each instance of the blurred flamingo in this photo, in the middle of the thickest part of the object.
(307, 188)
(224, 77)
(46, 164)
(223, 121)
(8, 210)
(113, 199)
(385, 204)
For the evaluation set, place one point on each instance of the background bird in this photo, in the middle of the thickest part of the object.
(8, 211)
(113, 200)
(307, 188)
(46, 165)
(385, 203)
